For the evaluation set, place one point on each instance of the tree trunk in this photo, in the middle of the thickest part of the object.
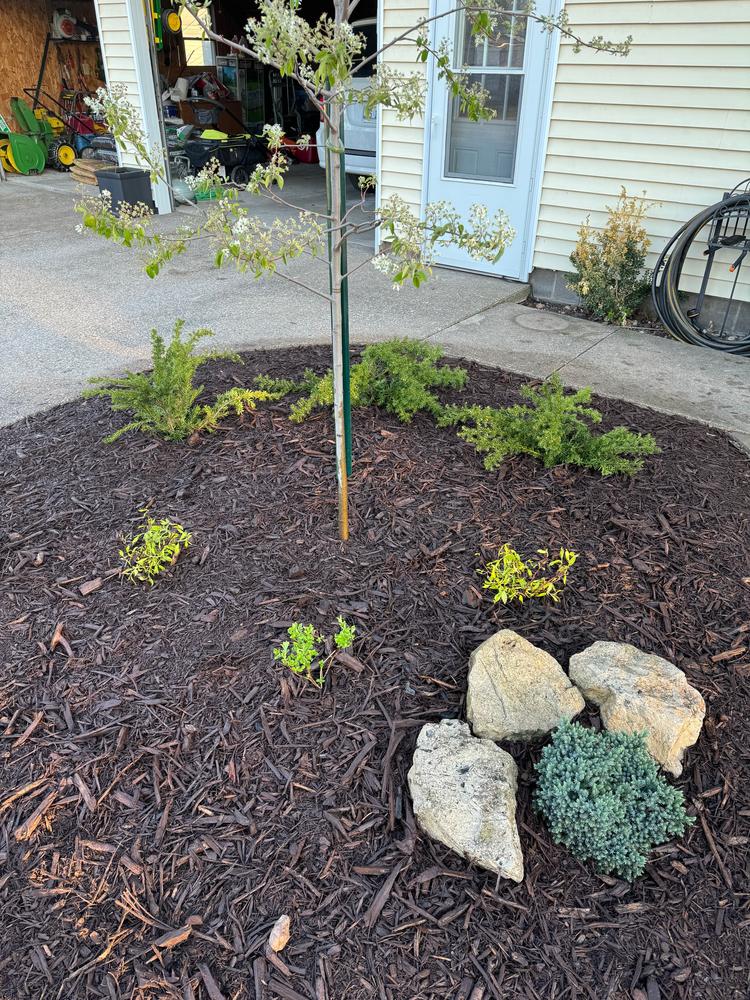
(336, 257)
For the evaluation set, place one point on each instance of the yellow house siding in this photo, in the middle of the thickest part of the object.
(401, 143)
(124, 38)
(118, 55)
(672, 119)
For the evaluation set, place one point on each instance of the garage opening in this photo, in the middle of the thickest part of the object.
(215, 101)
(50, 60)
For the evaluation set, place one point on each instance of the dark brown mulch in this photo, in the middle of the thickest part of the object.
(161, 774)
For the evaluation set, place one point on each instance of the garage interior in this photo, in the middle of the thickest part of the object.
(51, 60)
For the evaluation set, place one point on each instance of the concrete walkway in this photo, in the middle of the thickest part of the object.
(74, 307)
(624, 364)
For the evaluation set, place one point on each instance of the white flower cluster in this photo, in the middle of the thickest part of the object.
(124, 122)
(208, 178)
(403, 93)
(412, 241)
(274, 136)
(490, 235)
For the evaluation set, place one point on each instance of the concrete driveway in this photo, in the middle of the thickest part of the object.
(75, 306)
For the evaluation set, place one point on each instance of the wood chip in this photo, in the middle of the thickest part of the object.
(278, 937)
(28, 731)
(172, 938)
(212, 987)
(26, 830)
(86, 795)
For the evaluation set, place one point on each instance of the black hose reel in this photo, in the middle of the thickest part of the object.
(727, 245)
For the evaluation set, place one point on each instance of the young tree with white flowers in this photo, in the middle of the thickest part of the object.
(323, 59)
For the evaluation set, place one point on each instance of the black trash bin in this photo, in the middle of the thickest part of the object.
(126, 184)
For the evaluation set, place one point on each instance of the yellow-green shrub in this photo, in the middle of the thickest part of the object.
(610, 275)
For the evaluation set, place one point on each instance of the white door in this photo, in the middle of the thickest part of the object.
(497, 162)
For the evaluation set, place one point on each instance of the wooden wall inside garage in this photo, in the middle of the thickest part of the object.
(23, 28)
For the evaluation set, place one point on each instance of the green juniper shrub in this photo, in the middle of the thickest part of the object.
(398, 376)
(512, 578)
(163, 401)
(154, 548)
(603, 797)
(553, 426)
(301, 652)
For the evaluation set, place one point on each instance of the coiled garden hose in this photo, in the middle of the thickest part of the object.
(730, 230)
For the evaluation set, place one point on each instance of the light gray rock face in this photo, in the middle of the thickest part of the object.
(516, 690)
(464, 793)
(638, 692)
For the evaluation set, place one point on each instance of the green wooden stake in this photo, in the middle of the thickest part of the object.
(345, 316)
(344, 295)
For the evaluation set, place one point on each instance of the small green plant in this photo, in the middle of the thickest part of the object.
(553, 426)
(163, 401)
(346, 634)
(610, 275)
(510, 578)
(602, 795)
(207, 183)
(154, 548)
(397, 376)
(301, 652)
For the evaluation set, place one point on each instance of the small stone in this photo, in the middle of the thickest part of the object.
(279, 936)
(464, 793)
(516, 690)
(641, 692)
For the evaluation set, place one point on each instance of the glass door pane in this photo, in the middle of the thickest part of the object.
(486, 150)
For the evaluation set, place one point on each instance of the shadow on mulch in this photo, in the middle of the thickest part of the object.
(180, 780)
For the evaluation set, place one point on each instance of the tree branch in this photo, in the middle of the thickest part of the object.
(309, 288)
(274, 196)
(405, 35)
(369, 260)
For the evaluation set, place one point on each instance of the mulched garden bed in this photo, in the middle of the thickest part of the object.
(187, 782)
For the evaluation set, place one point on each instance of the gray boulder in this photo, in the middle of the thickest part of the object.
(516, 690)
(464, 794)
(641, 692)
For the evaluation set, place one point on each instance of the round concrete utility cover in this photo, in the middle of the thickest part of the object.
(535, 319)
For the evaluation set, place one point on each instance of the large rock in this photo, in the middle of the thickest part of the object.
(641, 692)
(464, 793)
(516, 690)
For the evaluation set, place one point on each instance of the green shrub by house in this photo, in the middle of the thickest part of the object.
(610, 275)
(603, 796)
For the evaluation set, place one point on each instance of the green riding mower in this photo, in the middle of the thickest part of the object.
(34, 145)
